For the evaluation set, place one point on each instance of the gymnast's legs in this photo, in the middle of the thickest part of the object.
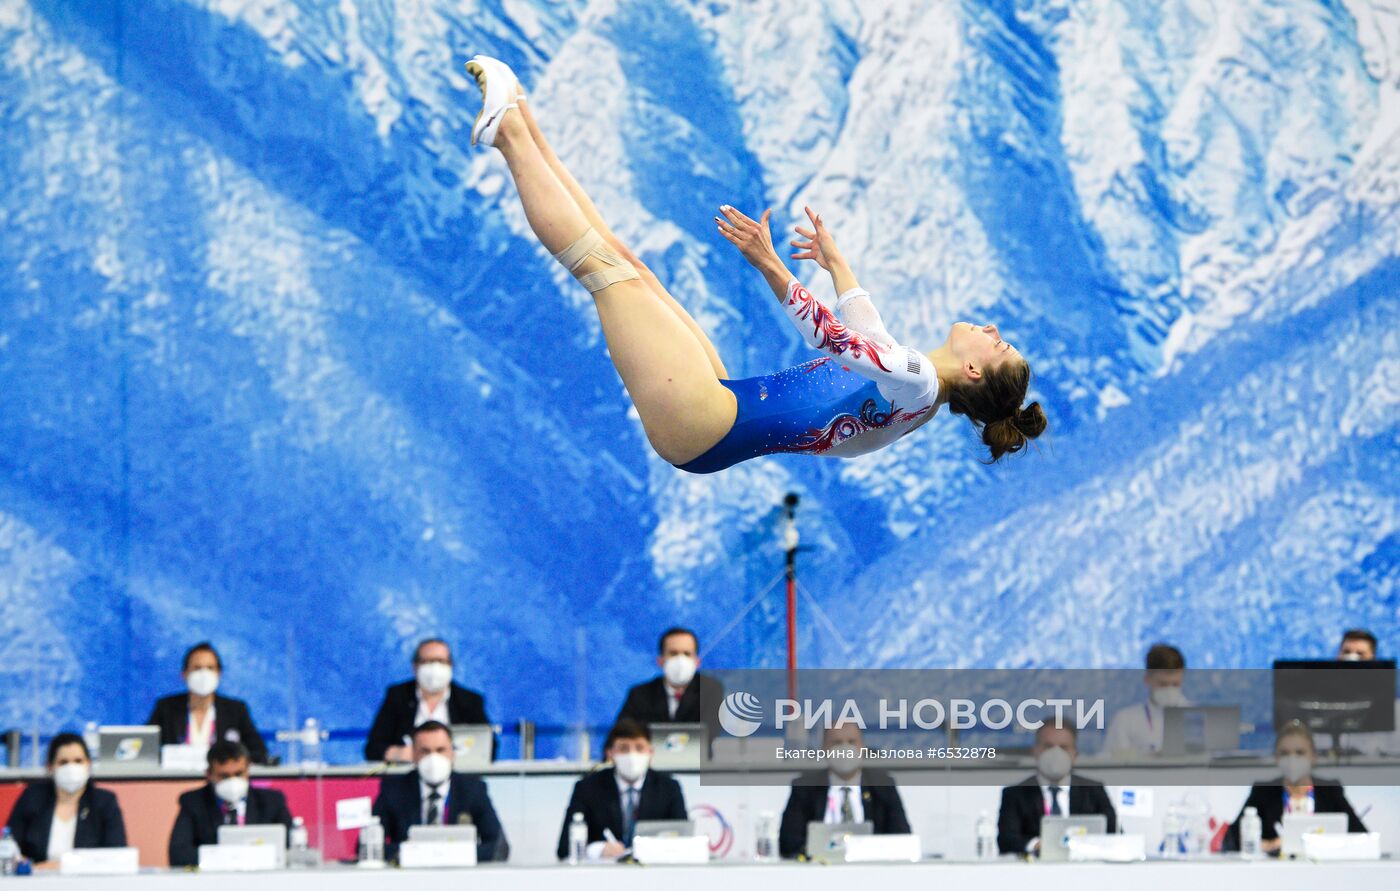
(667, 370)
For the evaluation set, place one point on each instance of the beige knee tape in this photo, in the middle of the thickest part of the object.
(591, 244)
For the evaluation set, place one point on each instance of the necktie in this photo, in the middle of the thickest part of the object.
(629, 816)
(1055, 802)
(434, 807)
(848, 814)
(230, 815)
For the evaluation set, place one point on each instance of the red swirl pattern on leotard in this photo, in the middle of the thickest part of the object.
(835, 337)
(844, 426)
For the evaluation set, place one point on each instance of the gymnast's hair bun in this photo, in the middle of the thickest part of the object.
(1012, 433)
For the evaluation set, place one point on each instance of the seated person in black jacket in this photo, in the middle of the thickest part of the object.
(615, 799)
(432, 794)
(843, 793)
(226, 799)
(199, 717)
(1050, 791)
(673, 697)
(1296, 791)
(430, 696)
(65, 811)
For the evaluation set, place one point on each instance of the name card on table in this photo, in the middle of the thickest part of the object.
(237, 858)
(429, 854)
(353, 813)
(100, 862)
(671, 849)
(1107, 848)
(178, 756)
(902, 848)
(1342, 846)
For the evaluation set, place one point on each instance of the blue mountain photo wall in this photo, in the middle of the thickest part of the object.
(282, 368)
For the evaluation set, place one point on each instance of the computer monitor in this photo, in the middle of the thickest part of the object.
(1055, 833)
(827, 841)
(129, 746)
(1332, 696)
(1200, 728)
(273, 835)
(471, 747)
(677, 746)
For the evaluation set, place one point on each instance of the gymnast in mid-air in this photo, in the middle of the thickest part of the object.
(865, 393)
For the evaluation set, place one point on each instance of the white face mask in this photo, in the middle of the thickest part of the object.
(434, 769)
(232, 789)
(1295, 768)
(1168, 697)
(631, 765)
(1054, 764)
(1350, 657)
(71, 777)
(202, 681)
(844, 762)
(434, 676)
(679, 670)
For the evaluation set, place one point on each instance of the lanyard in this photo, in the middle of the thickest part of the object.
(1311, 802)
(1045, 802)
(1147, 710)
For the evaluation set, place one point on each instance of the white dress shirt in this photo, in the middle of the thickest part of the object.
(438, 713)
(1136, 729)
(595, 849)
(61, 833)
(424, 791)
(1062, 796)
(673, 698)
(834, 795)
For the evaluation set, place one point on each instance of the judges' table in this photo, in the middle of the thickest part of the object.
(1219, 875)
(530, 797)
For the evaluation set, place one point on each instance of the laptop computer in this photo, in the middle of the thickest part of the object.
(827, 841)
(273, 835)
(664, 828)
(1200, 728)
(1295, 826)
(1055, 833)
(129, 746)
(463, 832)
(471, 744)
(677, 746)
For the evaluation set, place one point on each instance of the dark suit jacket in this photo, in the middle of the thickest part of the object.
(597, 798)
(395, 718)
(99, 820)
(201, 815)
(232, 721)
(1328, 798)
(1022, 808)
(400, 805)
(807, 804)
(646, 702)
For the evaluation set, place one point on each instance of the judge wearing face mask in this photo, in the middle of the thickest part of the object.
(673, 697)
(1053, 790)
(65, 811)
(225, 800)
(1137, 729)
(432, 794)
(613, 800)
(430, 696)
(845, 792)
(200, 717)
(1296, 791)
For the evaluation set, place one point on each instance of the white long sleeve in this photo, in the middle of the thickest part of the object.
(903, 374)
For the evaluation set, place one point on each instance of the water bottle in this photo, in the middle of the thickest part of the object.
(372, 844)
(92, 739)
(1251, 833)
(311, 743)
(9, 854)
(986, 837)
(578, 840)
(765, 848)
(297, 839)
(1171, 835)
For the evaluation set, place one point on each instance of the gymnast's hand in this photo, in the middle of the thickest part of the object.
(819, 246)
(751, 237)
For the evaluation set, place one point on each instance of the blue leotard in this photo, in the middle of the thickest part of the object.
(868, 392)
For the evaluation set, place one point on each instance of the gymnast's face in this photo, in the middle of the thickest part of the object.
(978, 347)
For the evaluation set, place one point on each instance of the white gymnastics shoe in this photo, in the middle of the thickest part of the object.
(498, 95)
